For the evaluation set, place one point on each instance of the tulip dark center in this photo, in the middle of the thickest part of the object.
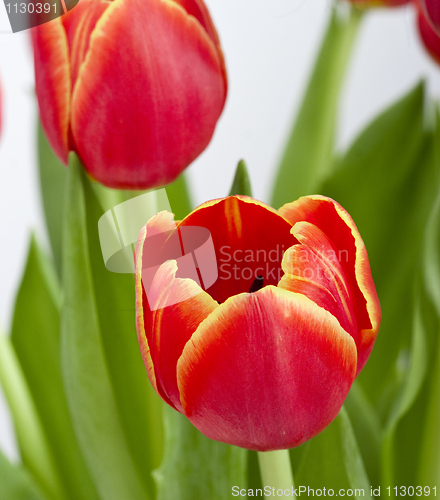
(257, 284)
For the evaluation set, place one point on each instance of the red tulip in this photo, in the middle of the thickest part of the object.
(265, 357)
(135, 87)
(431, 9)
(430, 39)
(379, 3)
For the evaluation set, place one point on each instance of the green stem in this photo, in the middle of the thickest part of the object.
(276, 471)
(308, 155)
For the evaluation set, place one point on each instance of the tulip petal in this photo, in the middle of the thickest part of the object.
(53, 84)
(197, 9)
(163, 329)
(161, 222)
(266, 370)
(339, 227)
(147, 99)
(315, 262)
(431, 9)
(249, 238)
(429, 37)
(79, 24)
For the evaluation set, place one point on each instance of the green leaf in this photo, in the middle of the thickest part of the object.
(429, 460)
(180, 197)
(86, 377)
(36, 339)
(53, 176)
(16, 483)
(308, 156)
(32, 442)
(332, 460)
(367, 429)
(241, 183)
(138, 406)
(429, 468)
(195, 467)
(387, 181)
(410, 389)
(416, 446)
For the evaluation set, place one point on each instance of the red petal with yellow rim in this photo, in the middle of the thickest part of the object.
(53, 84)
(153, 112)
(266, 370)
(315, 262)
(339, 227)
(249, 238)
(79, 24)
(163, 329)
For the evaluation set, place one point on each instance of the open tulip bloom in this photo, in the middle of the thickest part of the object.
(265, 357)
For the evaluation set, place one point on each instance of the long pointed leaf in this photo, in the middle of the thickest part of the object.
(89, 392)
(138, 406)
(32, 442)
(53, 176)
(16, 483)
(308, 156)
(36, 339)
(332, 460)
(195, 467)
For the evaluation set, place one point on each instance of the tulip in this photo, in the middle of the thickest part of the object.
(430, 39)
(265, 357)
(431, 9)
(134, 87)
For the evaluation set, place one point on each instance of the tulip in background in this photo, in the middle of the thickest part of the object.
(135, 87)
(256, 361)
(428, 20)
(431, 9)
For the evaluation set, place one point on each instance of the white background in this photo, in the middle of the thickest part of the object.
(269, 47)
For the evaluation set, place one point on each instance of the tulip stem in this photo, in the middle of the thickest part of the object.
(276, 471)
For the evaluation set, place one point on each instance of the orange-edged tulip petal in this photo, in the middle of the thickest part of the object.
(250, 239)
(315, 262)
(198, 9)
(79, 24)
(53, 83)
(163, 329)
(266, 370)
(336, 223)
(139, 119)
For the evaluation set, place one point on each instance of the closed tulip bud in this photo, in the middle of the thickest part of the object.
(134, 87)
(430, 39)
(431, 9)
(264, 357)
